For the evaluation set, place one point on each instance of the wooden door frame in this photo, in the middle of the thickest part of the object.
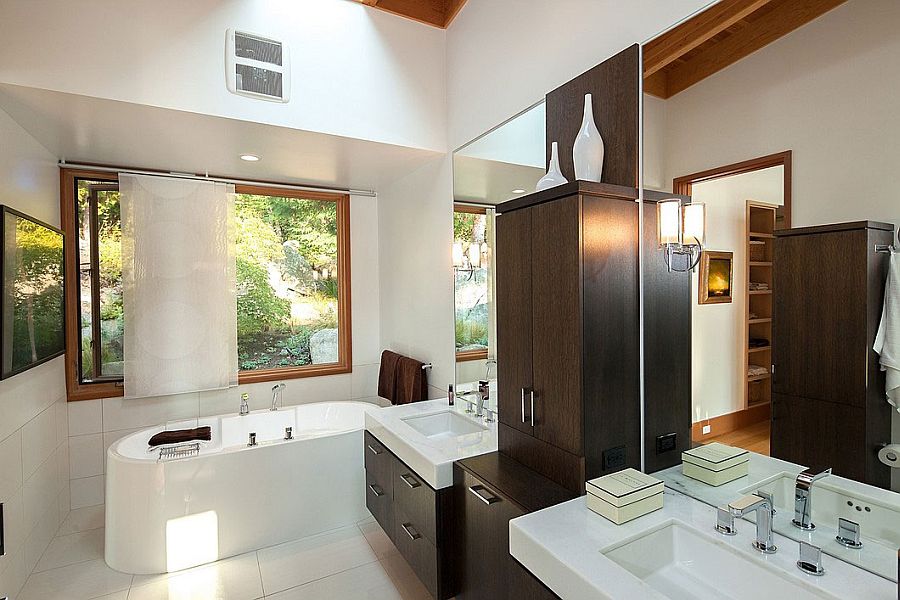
(684, 184)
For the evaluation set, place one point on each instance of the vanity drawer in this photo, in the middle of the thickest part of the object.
(416, 499)
(418, 550)
(378, 463)
(379, 503)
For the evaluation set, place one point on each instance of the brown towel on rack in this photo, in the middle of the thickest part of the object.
(387, 375)
(412, 385)
(179, 436)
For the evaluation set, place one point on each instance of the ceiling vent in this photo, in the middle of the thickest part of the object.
(256, 66)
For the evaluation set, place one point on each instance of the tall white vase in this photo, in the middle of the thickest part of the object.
(554, 176)
(588, 150)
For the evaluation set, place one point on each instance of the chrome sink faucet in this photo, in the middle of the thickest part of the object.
(803, 498)
(484, 393)
(276, 389)
(763, 509)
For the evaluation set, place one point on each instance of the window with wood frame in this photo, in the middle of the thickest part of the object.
(471, 264)
(292, 254)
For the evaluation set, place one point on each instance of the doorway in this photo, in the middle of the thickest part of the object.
(732, 341)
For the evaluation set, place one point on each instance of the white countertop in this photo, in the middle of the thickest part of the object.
(432, 459)
(562, 545)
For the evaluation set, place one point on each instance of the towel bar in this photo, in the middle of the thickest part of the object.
(885, 249)
(426, 366)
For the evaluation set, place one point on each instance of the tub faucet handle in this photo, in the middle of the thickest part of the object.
(245, 405)
(252, 441)
(288, 433)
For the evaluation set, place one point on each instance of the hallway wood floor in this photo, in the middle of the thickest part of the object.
(753, 437)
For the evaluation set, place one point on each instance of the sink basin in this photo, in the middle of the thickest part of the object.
(443, 425)
(681, 563)
(879, 521)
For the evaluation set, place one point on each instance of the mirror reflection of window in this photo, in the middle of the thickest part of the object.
(472, 270)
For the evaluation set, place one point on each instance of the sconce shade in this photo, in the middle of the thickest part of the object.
(475, 255)
(694, 231)
(668, 222)
(457, 254)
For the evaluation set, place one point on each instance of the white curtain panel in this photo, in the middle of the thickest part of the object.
(178, 275)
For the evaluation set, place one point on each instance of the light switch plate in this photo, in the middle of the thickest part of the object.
(707, 429)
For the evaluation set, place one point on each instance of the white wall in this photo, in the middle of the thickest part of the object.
(415, 224)
(718, 336)
(357, 72)
(34, 451)
(96, 424)
(505, 55)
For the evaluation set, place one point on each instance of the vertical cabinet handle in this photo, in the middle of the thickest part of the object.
(410, 531)
(523, 405)
(410, 480)
(531, 393)
(487, 499)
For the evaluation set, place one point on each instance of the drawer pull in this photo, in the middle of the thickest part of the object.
(477, 490)
(376, 489)
(411, 531)
(374, 450)
(406, 479)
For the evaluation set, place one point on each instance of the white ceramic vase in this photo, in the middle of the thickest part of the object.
(587, 152)
(554, 176)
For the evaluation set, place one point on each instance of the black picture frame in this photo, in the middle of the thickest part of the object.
(56, 344)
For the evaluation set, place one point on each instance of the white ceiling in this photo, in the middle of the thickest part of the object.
(490, 181)
(79, 128)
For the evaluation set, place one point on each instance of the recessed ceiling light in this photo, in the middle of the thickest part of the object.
(518, 191)
(249, 157)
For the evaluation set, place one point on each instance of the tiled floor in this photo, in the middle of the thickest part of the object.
(356, 562)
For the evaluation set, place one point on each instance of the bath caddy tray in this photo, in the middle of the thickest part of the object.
(179, 451)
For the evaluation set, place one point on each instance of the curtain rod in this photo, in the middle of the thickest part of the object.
(284, 186)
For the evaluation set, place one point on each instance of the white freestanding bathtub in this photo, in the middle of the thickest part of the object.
(167, 515)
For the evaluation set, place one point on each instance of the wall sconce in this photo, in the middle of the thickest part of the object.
(681, 230)
(466, 259)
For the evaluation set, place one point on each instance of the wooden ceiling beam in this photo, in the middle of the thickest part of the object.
(784, 18)
(678, 41)
(439, 13)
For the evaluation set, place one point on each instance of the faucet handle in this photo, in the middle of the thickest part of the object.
(849, 534)
(810, 559)
(768, 498)
(812, 475)
(741, 505)
(725, 521)
(489, 415)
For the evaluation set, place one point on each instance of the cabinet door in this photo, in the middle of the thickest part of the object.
(514, 318)
(556, 322)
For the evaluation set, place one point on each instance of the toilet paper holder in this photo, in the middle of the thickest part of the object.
(889, 454)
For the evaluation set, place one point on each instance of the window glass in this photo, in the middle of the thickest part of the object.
(471, 259)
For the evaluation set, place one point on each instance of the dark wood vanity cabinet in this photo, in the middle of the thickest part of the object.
(567, 331)
(413, 514)
(828, 398)
(488, 492)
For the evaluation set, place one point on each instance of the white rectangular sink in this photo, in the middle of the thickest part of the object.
(443, 425)
(879, 521)
(681, 563)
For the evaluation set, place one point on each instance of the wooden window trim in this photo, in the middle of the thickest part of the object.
(467, 355)
(345, 330)
(77, 391)
(468, 208)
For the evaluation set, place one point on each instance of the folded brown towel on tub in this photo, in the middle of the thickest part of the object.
(179, 436)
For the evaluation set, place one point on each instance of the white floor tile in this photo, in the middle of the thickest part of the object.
(296, 563)
(123, 595)
(75, 582)
(408, 584)
(379, 541)
(368, 582)
(231, 579)
(83, 519)
(73, 548)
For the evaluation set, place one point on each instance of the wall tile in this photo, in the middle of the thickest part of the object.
(85, 456)
(38, 440)
(13, 577)
(87, 492)
(27, 395)
(10, 465)
(62, 420)
(41, 536)
(85, 417)
(14, 520)
(120, 413)
(64, 501)
(364, 381)
(62, 465)
(40, 491)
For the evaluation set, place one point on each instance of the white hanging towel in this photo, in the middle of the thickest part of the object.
(887, 340)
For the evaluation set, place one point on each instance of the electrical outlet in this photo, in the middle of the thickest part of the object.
(614, 458)
(665, 442)
(707, 429)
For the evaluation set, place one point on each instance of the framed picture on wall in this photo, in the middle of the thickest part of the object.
(716, 277)
(32, 309)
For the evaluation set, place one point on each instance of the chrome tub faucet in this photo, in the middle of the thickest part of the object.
(763, 508)
(276, 390)
(803, 498)
(245, 405)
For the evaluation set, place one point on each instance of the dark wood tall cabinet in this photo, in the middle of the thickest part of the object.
(828, 395)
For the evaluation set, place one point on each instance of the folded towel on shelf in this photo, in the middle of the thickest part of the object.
(180, 436)
(754, 286)
(758, 342)
(887, 340)
(756, 371)
(387, 374)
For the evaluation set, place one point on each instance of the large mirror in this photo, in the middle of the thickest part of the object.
(503, 163)
(792, 149)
